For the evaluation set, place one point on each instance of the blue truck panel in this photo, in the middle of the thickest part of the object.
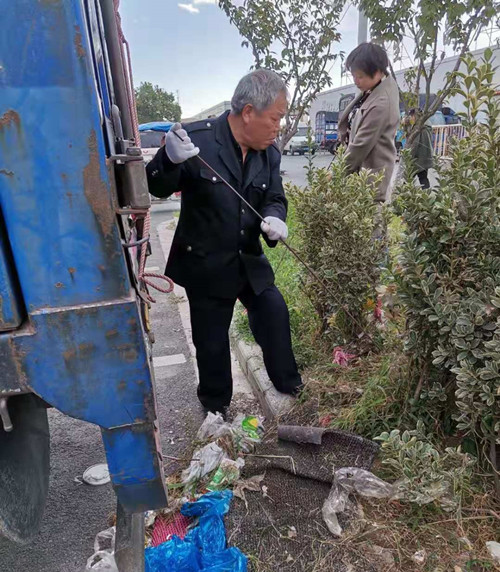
(76, 334)
(11, 307)
(57, 203)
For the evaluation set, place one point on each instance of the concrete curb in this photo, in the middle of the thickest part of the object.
(273, 403)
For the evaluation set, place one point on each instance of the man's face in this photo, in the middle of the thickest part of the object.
(364, 82)
(262, 127)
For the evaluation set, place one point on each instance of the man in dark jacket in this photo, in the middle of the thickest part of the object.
(421, 150)
(216, 253)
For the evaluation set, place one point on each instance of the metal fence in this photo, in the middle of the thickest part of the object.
(442, 135)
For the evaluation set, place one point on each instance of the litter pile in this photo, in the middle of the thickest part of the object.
(190, 535)
(304, 501)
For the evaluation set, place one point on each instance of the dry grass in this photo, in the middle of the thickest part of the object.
(455, 544)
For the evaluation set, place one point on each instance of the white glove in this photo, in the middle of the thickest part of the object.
(275, 228)
(179, 150)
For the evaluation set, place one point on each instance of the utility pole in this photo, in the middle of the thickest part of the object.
(362, 27)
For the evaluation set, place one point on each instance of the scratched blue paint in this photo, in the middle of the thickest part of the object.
(135, 467)
(82, 347)
(60, 222)
(133, 459)
(90, 363)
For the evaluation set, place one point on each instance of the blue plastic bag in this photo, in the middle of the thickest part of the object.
(211, 504)
(230, 560)
(175, 555)
(204, 548)
(210, 534)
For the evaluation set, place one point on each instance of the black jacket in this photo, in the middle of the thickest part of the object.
(217, 238)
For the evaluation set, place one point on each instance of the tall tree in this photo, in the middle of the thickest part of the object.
(294, 38)
(156, 104)
(429, 26)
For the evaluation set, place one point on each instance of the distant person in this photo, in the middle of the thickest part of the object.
(216, 253)
(421, 149)
(369, 123)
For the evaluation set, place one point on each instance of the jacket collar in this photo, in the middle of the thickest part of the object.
(228, 156)
(226, 153)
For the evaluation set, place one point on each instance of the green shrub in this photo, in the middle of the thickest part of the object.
(424, 474)
(335, 216)
(304, 324)
(449, 269)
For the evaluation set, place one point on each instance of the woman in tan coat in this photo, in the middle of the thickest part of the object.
(370, 121)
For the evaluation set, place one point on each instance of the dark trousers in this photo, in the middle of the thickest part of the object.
(270, 325)
(424, 179)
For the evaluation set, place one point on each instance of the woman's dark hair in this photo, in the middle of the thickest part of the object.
(368, 58)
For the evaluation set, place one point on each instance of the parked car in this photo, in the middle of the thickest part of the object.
(299, 143)
(152, 137)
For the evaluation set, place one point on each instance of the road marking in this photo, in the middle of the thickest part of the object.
(163, 361)
(153, 269)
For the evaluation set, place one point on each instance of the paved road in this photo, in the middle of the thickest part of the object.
(295, 172)
(76, 512)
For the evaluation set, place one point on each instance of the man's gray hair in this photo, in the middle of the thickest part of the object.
(259, 88)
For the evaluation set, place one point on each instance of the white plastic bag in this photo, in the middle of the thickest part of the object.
(204, 461)
(103, 559)
(349, 480)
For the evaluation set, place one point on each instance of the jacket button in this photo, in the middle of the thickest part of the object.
(242, 211)
(209, 125)
(263, 185)
(242, 232)
(214, 179)
(239, 252)
(189, 248)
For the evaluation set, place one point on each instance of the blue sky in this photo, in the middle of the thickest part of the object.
(190, 46)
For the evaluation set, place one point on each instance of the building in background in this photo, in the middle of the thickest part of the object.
(213, 111)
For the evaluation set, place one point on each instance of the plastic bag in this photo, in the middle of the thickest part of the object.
(226, 475)
(245, 430)
(363, 482)
(213, 427)
(176, 555)
(204, 548)
(348, 480)
(210, 534)
(105, 540)
(204, 461)
(103, 559)
(230, 560)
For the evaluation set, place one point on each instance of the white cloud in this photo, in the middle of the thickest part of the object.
(189, 8)
(204, 2)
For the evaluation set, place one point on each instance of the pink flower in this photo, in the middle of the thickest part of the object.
(378, 312)
(340, 357)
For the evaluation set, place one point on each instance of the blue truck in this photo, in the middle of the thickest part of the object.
(74, 329)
